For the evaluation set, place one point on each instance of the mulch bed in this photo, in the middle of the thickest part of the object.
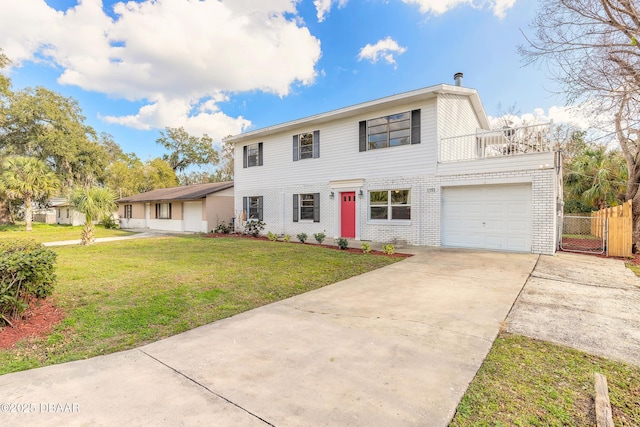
(37, 320)
(350, 250)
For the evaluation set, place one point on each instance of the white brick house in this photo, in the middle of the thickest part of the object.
(419, 167)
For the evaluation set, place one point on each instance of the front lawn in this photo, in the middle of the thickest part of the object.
(121, 295)
(54, 232)
(526, 382)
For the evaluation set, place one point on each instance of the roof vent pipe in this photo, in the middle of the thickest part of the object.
(458, 78)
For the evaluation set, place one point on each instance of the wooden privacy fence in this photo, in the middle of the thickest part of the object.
(619, 226)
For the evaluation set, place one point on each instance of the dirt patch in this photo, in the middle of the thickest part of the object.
(350, 250)
(38, 320)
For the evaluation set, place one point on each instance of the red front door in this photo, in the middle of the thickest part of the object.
(348, 214)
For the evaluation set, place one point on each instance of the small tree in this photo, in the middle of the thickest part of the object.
(94, 203)
(27, 179)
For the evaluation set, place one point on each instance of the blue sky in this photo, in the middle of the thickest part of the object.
(222, 67)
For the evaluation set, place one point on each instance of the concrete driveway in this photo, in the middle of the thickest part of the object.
(581, 301)
(397, 346)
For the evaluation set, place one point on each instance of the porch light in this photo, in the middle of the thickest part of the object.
(332, 195)
(360, 193)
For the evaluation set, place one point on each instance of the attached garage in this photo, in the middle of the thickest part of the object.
(495, 217)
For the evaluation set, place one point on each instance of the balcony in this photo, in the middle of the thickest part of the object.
(506, 142)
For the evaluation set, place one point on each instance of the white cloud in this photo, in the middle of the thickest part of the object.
(575, 117)
(170, 53)
(323, 7)
(438, 7)
(384, 49)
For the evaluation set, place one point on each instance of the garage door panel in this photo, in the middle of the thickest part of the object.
(492, 217)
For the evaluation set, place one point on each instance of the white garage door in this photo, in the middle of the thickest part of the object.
(487, 217)
(193, 216)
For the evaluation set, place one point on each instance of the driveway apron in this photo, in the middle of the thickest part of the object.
(396, 346)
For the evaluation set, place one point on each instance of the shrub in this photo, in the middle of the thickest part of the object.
(302, 237)
(319, 237)
(272, 236)
(342, 243)
(286, 238)
(223, 228)
(109, 223)
(389, 249)
(26, 272)
(254, 227)
(366, 248)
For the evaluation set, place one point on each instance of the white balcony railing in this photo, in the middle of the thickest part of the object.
(508, 141)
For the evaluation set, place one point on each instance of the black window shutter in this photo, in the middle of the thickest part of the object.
(295, 148)
(169, 210)
(363, 136)
(245, 207)
(260, 200)
(415, 127)
(156, 211)
(260, 154)
(316, 207)
(244, 156)
(316, 144)
(296, 208)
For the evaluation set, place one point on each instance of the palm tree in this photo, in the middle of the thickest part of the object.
(27, 179)
(94, 203)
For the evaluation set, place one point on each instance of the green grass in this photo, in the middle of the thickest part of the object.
(120, 295)
(526, 382)
(54, 232)
(581, 236)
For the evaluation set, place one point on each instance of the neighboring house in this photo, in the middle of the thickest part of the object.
(420, 167)
(198, 208)
(66, 213)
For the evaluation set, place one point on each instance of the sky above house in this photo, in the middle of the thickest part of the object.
(225, 67)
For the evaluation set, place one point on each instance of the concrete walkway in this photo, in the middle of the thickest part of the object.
(393, 347)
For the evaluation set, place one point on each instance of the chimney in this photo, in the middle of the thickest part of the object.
(458, 78)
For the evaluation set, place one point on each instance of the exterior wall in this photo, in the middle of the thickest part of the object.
(166, 224)
(75, 218)
(219, 207)
(137, 219)
(339, 154)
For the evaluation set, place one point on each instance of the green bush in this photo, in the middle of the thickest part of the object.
(272, 236)
(389, 249)
(254, 227)
(109, 223)
(342, 243)
(366, 248)
(26, 272)
(319, 237)
(286, 238)
(302, 237)
(223, 228)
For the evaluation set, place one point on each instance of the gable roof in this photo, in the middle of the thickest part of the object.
(370, 107)
(185, 192)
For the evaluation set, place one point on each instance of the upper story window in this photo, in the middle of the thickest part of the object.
(252, 155)
(390, 131)
(390, 205)
(306, 146)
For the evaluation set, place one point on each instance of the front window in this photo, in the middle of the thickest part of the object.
(163, 210)
(305, 141)
(128, 211)
(254, 208)
(389, 131)
(390, 205)
(253, 153)
(306, 206)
